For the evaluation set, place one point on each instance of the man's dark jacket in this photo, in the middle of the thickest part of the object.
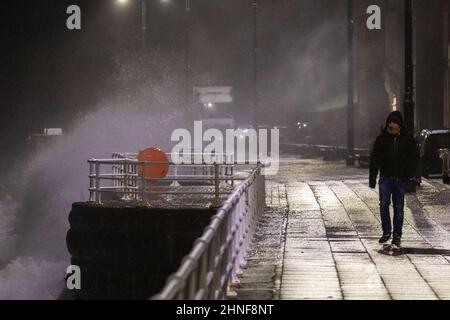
(393, 156)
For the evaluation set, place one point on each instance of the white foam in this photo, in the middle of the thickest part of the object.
(31, 279)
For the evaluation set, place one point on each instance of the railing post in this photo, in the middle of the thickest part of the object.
(224, 255)
(247, 215)
(135, 181)
(216, 185)
(447, 168)
(237, 221)
(191, 284)
(121, 180)
(114, 170)
(445, 156)
(215, 248)
(98, 196)
(124, 180)
(203, 272)
(175, 183)
(211, 259)
(226, 173)
(225, 251)
(261, 190)
(143, 186)
(126, 170)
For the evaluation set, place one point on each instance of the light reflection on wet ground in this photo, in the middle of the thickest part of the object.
(318, 239)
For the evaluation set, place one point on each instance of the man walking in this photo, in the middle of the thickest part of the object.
(395, 155)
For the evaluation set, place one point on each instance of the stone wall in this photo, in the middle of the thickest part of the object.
(127, 252)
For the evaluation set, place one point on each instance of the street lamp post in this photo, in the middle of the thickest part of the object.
(350, 120)
(144, 28)
(408, 104)
(143, 23)
(143, 19)
(187, 14)
(255, 62)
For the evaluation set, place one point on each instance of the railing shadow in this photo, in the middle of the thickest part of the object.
(426, 251)
(412, 250)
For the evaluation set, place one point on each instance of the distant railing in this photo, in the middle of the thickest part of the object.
(123, 176)
(219, 254)
(444, 154)
(199, 168)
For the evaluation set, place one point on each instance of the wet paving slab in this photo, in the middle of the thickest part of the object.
(260, 279)
(322, 240)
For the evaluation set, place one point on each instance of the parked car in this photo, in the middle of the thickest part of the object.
(430, 141)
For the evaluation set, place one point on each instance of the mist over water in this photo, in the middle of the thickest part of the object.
(34, 216)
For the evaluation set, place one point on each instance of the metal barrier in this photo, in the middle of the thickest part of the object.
(128, 180)
(124, 176)
(200, 168)
(219, 254)
(444, 154)
(193, 157)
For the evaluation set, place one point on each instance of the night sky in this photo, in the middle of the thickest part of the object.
(51, 76)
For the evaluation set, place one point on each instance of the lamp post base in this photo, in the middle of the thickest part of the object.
(350, 160)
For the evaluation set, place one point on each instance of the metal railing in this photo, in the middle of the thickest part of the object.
(444, 154)
(186, 157)
(219, 254)
(124, 177)
(199, 168)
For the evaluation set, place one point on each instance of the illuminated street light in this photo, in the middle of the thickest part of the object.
(350, 91)
(144, 28)
(126, 1)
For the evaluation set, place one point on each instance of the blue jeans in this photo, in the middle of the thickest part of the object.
(396, 188)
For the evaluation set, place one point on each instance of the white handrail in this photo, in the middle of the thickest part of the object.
(125, 177)
(219, 254)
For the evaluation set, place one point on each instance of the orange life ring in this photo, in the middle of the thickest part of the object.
(157, 170)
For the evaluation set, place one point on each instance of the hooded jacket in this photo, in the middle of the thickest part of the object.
(393, 156)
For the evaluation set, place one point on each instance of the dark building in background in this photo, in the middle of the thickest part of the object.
(447, 107)
(379, 66)
(54, 76)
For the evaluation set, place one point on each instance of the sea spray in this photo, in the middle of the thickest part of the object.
(33, 218)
